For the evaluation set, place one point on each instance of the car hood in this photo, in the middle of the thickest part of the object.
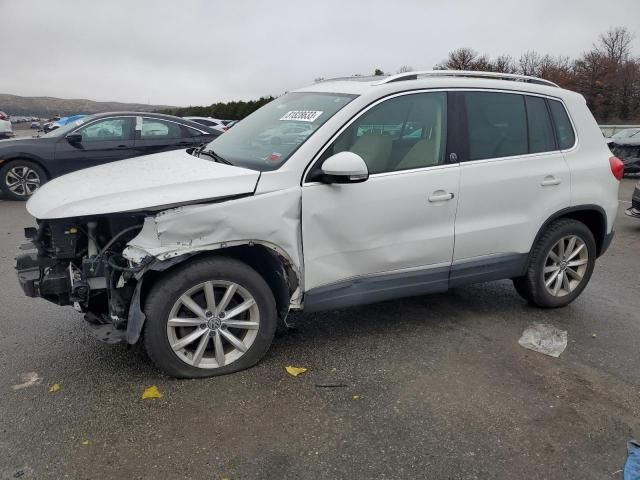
(152, 182)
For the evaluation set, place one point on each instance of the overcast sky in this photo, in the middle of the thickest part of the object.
(196, 52)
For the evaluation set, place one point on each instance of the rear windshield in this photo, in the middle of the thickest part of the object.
(268, 137)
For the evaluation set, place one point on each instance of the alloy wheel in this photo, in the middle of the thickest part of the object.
(22, 181)
(565, 266)
(213, 324)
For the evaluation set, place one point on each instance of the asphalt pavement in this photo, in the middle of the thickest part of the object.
(435, 387)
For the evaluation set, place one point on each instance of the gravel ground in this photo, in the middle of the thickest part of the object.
(435, 387)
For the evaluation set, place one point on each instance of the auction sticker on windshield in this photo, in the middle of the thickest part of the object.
(302, 115)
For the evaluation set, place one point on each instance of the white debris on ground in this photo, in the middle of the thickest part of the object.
(544, 338)
(30, 379)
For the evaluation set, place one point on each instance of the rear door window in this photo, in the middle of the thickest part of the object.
(154, 129)
(564, 130)
(497, 125)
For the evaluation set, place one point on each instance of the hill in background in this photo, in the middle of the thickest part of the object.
(50, 106)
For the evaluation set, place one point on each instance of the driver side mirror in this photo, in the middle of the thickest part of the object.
(344, 167)
(74, 138)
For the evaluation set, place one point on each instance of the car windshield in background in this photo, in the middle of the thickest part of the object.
(267, 138)
(627, 133)
(63, 130)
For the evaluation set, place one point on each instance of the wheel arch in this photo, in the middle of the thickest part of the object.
(593, 216)
(279, 273)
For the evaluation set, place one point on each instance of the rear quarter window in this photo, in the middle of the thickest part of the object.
(564, 131)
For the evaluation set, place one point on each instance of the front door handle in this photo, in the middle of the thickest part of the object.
(550, 180)
(440, 196)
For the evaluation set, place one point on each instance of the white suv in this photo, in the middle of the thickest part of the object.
(405, 185)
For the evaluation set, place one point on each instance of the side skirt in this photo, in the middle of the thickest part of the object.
(378, 288)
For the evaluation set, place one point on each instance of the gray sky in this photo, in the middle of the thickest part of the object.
(196, 52)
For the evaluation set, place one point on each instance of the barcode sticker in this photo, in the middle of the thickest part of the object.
(302, 115)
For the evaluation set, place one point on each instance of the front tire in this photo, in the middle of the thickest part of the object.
(560, 265)
(19, 179)
(209, 317)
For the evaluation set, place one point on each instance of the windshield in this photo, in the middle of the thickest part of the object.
(63, 130)
(268, 137)
(626, 133)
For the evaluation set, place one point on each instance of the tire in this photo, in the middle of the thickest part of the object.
(564, 235)
(19, 179)
(165, 301)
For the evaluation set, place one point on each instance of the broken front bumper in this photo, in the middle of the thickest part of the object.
(34, 277)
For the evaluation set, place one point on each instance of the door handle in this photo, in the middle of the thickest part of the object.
(550, 180)
(440, 196)
(183, 144)
(122, 146)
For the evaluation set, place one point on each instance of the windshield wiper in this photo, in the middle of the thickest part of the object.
(211, 154)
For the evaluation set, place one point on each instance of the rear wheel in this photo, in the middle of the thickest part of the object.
(209, 317)
(560, 265)
(19, 179)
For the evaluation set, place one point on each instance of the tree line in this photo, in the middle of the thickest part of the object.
(608, 75)
(236, 110)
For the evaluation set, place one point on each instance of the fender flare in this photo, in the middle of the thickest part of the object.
(566, 212)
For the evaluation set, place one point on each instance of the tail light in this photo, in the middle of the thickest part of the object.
(617, 167)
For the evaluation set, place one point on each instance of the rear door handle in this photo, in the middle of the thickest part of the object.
(440, 196)
(550, 180)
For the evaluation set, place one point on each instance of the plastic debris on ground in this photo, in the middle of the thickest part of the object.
(85, 442)
(151, 392)
(54, 388)
(29, 380)
(543, 338)
(295, 371)
(632, 467)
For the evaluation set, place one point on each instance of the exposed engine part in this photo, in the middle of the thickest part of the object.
(79, 262)
(92, 249)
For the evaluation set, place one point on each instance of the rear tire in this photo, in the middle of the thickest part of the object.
(212, 340)
(19, 179)
(560, 265)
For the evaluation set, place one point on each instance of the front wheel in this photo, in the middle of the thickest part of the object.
(209, 317)
(21, 178)
(560, 265)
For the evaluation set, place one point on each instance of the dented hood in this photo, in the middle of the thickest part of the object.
(151, 182)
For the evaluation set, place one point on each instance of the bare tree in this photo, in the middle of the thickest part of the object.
(503, 64)
(529, 63)
(616, 44)
(459, 59)
(405, 69)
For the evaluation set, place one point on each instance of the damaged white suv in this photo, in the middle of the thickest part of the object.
(399, 186)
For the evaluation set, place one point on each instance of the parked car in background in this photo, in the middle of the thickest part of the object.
(626, 146)
(35, 125)
(25, 164)
(4, 116)
(49, 126)
(626, 133)
(634, 209)
(490, 163)
(6, 130)
(210, 122)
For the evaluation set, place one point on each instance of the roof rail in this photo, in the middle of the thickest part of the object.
(465, 73)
